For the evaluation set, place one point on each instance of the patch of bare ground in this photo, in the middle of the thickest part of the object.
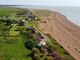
(59, 27)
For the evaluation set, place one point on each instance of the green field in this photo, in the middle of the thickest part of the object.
(11, 47)
(6, 11)
(13, 51)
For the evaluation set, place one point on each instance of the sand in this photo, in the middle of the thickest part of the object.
(59, 27)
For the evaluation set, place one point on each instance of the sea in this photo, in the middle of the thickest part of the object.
(72, 13)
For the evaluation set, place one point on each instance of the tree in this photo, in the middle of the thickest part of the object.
(50, 50)
(49, 58)
(37, 57)
(29, 44)
(35, 52)
(4, 30)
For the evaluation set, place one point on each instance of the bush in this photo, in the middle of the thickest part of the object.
(29, 44)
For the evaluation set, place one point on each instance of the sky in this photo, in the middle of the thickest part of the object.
(41, 2)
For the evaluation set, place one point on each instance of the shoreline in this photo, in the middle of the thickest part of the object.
(62, 30)
(70, 12)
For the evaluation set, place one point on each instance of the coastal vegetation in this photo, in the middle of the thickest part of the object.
(20, 40)
(60, 50)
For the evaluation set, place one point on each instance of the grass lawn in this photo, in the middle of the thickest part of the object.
(30, 23)
(60, 50)
(13, 32)
(13, 51)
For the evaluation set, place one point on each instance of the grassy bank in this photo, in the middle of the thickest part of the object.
(59, 49)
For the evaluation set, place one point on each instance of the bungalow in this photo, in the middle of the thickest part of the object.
(29, 14)
(41, 40)
(31, 29)
(22, 22)
(30, 17)
(38, 36)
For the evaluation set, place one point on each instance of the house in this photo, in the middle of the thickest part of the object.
(30, 16)
(38, 36)
(31, 29)
(42, 42)
(41, 39)
(22, 22)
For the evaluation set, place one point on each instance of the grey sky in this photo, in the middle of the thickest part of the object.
(42, 2)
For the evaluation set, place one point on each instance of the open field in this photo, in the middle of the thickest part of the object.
(13, 51)
(6, 11)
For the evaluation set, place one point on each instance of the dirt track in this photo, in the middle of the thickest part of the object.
(65, 32)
